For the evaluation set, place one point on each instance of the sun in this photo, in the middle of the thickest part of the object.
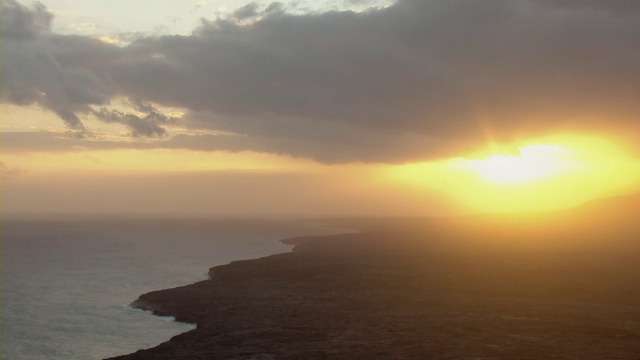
(531, 163)
(541, 174)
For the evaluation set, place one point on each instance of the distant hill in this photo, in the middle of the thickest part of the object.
(616, 207)
(619, 206)
(597, 223)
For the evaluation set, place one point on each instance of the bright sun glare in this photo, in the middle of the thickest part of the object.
(534, 162)
(544, 174)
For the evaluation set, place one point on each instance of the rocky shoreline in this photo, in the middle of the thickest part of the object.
(420, 294)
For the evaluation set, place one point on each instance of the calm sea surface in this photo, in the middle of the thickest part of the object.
(65, 285)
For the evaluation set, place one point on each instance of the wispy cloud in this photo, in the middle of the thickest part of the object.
(7, 173)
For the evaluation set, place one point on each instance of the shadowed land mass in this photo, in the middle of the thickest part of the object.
(561, 285)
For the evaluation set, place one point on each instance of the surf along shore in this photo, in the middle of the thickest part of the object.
(421, 289)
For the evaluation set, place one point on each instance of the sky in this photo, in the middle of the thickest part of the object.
(315, 108)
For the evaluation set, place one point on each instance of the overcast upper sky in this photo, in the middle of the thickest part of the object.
(408, 81)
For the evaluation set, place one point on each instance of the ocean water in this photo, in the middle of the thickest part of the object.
(66, 284)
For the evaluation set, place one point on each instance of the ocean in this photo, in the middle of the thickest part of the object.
(66, 284)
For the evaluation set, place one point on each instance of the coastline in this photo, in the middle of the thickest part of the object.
(131, 307)
(158, 310)
(413, 295)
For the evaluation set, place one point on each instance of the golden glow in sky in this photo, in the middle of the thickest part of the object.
(545, 174)
(151, 160)
(109, 100)
(533, 163)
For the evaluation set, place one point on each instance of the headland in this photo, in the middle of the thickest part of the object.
(434, 290)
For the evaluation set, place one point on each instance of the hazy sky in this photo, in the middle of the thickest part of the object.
(316, 107)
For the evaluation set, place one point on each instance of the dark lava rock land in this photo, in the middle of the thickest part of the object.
(535, 290)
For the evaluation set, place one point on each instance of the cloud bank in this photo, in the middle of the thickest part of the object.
(414, 80)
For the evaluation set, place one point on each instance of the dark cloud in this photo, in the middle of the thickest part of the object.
(147, 125)
(58, 73)
(374, 148)
(275, 8)
(617, 6)
(342, 86)
(33, 74)
(19, 22)
(245, 12)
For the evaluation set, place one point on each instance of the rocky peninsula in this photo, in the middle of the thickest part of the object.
(463, 289)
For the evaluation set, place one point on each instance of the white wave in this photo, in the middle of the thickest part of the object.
(147, 312)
